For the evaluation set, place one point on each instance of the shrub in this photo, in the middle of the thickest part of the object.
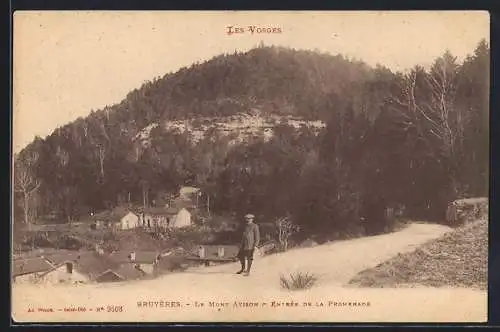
(298, 281)
(284, 230)
(67, 242)
(37, 241)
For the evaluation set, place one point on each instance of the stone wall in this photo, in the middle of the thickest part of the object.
(464, 211)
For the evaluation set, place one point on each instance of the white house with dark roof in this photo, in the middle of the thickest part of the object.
(164, 217)
(120, 218)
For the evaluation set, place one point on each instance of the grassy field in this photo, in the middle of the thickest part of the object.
(457, 259)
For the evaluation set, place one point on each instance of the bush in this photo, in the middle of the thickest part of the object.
(285, 228)
(66, 242)
(37, 241)
(298, 281)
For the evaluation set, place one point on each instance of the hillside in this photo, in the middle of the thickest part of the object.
(240, 95)
(458, 259)
(272, 80)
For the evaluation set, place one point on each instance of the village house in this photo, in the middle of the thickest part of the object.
(29, 270)
(164, 217)
(65, 272)
(120, 218)
(66, 267)
(103, 268)
(208, 254)
(174, 213)
(155, 217)
(78, 267)
(70, 267)
(217, 252)
(144, 261)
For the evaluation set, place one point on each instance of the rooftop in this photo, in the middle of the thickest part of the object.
(57, 258)
(114, 215)
(122, 273)
(128, 272)
(30, 265)
(92, 264)
(160, 210)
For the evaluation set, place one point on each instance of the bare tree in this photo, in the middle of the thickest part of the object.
(100, 143)
(101, 154)
(25, 183)
(145, 193)
(284, 229)
(427, 105)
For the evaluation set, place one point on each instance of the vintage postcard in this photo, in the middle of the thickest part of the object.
(227, 166)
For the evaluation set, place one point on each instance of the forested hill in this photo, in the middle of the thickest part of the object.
(95, 161)
(275, 80)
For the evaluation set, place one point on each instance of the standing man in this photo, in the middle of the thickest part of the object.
(249, 241)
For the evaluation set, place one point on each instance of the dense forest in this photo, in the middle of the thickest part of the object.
(417, 139)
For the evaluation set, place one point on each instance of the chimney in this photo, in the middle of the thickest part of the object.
(132, 256)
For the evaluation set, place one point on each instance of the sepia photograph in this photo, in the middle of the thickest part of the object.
(250, 166)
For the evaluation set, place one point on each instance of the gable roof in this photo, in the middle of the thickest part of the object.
(93, 264)
(114, 215)
(129, 272)
(30, 265)
(180, 203)
(161, 211)
(125, 272)
(60, 257)
(100, 277)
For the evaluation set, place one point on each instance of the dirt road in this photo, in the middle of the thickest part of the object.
(334, 264)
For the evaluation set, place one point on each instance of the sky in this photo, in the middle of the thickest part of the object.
(66, 64)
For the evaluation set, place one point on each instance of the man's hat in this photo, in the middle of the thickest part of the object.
(249, 216)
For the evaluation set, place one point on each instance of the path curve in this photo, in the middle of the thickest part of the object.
(334, 264)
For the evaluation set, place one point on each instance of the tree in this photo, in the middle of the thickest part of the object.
(25, 182)
(427, 106)
(100, 144)
(284, 229)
